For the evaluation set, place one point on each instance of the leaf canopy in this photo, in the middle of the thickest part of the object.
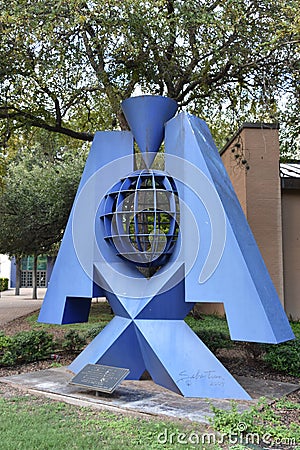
(67, 65)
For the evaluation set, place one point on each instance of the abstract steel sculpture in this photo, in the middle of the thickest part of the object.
(156, 242)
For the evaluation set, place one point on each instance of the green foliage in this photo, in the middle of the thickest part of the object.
(262, 422)
(67, 65)
(31, 423)
(296, 328)
(214, 340)
(27, 346)
(209, 322)
(284, 357)
(92, 332)
(228, 421)
(212, 330)
(4, 342)
(73, 341)
(38, 194)
(3, 284)
(290, 127)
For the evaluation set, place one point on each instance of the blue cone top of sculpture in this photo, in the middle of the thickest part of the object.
(141, 217)
(146, 115)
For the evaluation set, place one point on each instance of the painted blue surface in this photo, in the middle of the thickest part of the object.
(146, 116)
(215, 259)
(232, 270)
(150, 334)
(69, 276)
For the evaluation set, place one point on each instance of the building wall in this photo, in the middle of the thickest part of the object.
(5, 264)
(273, 212)
(291, 251)
(263, 198)
(13, 274)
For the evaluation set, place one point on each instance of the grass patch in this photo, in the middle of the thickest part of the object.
(28, 422)
(33, 423)
(262, 424)
(100, 315)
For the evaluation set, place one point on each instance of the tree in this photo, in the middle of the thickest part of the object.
(36, 202)
(67, 65)
(290, 129)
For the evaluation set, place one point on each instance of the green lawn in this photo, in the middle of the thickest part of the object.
(100, 315)
(36, 423)
(32, 423)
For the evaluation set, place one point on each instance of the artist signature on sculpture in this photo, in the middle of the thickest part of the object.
(213, 378)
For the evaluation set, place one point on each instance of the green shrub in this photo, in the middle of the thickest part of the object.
(27, 346)
(94, 331)
(207, 322)
(262, 421)
(4, 342)
(3, 284)
(214, 340)
(284, 357)
(73, 341)
(212, 330)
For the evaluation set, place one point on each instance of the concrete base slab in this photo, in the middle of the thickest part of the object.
(142, 397)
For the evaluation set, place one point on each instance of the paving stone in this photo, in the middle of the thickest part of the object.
(143, 397)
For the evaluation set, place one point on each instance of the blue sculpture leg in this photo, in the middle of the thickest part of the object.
(117, 345)
(178, 360)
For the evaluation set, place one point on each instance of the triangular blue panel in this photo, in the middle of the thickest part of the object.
(116, 305)
(155, 367)
(117, 346)
(70, 276)
(193, 369)
(170, 303)
(228, 267)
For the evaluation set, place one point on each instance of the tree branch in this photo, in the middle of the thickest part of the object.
(15, 114)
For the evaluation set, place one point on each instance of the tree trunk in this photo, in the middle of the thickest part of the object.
(18, 275)
(34, 277)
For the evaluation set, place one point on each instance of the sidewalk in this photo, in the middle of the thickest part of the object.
(12, 306)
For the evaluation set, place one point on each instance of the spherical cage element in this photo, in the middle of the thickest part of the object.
(141, 217)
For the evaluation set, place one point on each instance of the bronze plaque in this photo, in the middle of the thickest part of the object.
(100, 378)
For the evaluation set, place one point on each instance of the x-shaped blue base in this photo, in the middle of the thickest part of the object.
(150, 334)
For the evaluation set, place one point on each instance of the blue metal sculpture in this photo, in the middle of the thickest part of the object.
(155, 243)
